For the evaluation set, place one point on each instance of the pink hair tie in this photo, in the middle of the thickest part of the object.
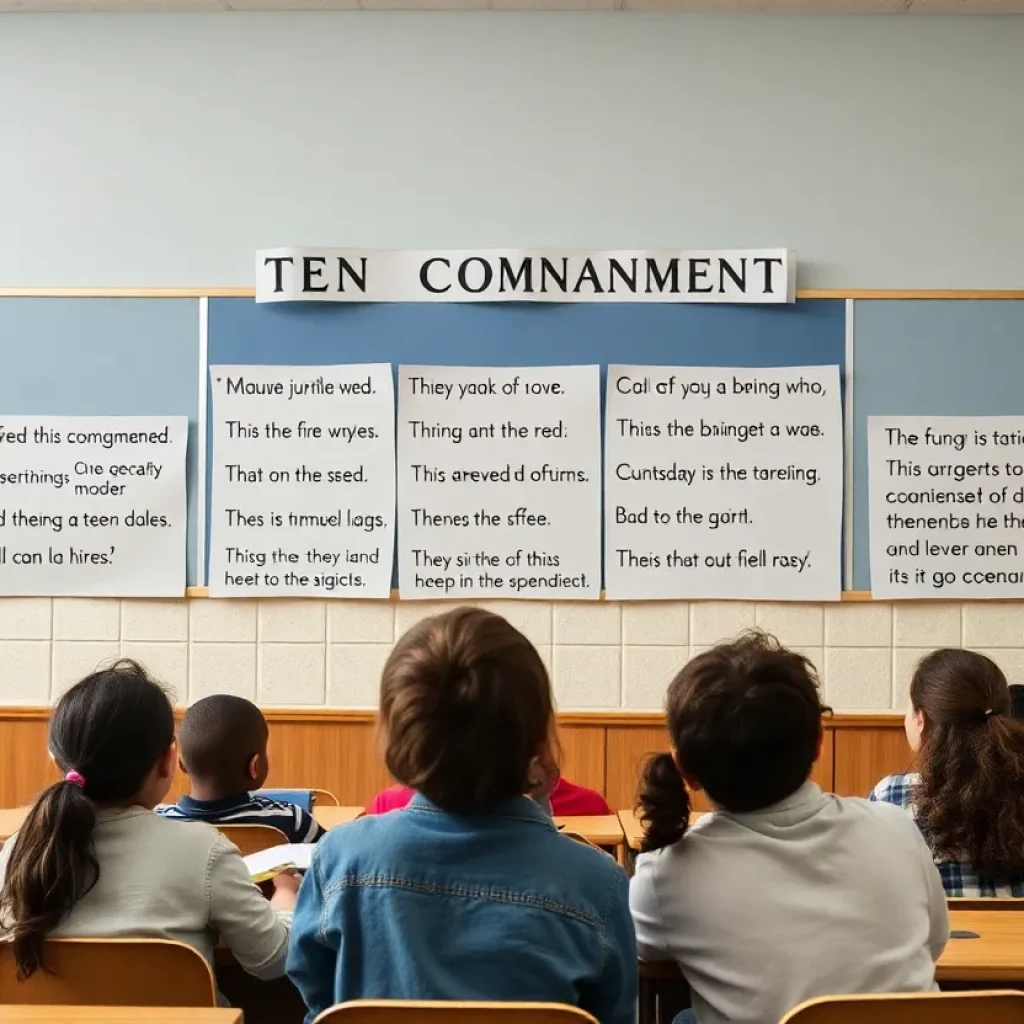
(75, 779)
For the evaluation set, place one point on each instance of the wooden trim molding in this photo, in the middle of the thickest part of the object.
(611, 719)
(203, 593)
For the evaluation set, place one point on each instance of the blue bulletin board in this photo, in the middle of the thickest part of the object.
(934, 357)
(105, 357)
(144, 356)
(809, 333)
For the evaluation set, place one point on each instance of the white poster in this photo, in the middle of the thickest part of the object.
(525, 275)
(92, 506)
(303, 481)
(499, 482)
(946, 506)
(723, 483)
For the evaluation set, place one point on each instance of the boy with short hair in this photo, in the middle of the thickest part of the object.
(222, 746)
(784, 892)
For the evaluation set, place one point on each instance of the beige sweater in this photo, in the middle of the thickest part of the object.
(175, 880)
(817, 895)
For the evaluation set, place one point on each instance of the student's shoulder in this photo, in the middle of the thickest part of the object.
(371, 833)
(892, 817)
(180, 839)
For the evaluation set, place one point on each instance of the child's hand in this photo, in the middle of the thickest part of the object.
(286, 890)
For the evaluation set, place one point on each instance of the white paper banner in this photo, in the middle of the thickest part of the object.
(946, 506)
(303, 480)
(499, 482)
(525, 275)
(723, 483)
(92, 506)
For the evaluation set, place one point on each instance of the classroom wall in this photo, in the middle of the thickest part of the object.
(603, 656)
(162, 150)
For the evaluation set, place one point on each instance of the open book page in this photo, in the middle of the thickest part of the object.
(287, 857)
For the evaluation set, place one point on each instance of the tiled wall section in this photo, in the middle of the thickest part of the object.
(602, 656)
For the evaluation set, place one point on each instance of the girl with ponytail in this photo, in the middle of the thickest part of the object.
(93, 860)
(783, 892)
(968, 791)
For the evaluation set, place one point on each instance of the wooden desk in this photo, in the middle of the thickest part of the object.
(600, 829)
(329, 817)
(117, 1015)
(998, 956)
(632, 829)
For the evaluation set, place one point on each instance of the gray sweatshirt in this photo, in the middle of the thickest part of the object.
(817, 895)
(175, 880)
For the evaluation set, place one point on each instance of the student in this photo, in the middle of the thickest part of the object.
(968, 791)
(93, 860)
(566, 800)
(783, 893)
(1017, 702)
(470, 893)
(224, 753)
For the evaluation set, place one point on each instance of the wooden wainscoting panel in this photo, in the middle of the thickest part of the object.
(26, 768)
(338, 756)
(583, 755)
(824, 771)
(865, 755)
(628, 748)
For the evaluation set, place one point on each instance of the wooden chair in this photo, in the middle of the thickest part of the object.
(912, 1008)
(325, 798)
(393, 1011)
(253, 838)
(111, 972)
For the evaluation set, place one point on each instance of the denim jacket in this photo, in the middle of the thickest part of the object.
(422, 904)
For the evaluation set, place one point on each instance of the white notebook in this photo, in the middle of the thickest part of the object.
(287, 857)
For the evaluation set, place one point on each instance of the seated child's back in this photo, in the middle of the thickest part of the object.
(92, 859)
(784, 892)
(470, 893)
(223, 742)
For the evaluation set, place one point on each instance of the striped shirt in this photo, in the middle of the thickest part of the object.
(959, 878)
(248, 809)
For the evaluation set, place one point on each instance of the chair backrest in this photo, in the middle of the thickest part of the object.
(111, 972)
(307, 799)
(253, 838)
(394, 1011)
(912, 1008)
(304, 798)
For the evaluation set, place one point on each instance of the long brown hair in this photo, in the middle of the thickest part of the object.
(970, 798)
(745, 721)
(109, 730)
(465, 707)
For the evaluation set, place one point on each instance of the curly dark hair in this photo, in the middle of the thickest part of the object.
(970, 798)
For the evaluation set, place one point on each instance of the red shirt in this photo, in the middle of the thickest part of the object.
(567, 800)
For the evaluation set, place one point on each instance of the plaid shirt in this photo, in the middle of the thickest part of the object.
(959, 878)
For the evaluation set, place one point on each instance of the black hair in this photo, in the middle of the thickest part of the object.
(745, 722)
(110, 730)
(218, 737)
